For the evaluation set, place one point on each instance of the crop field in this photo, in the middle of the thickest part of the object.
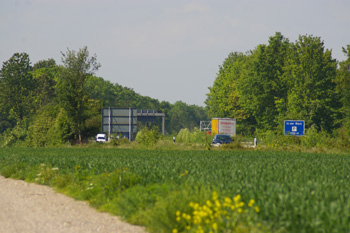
(197, 191)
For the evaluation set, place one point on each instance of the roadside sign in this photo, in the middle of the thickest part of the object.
(294, 128)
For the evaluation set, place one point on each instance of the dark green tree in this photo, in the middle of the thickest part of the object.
(45, 75)
(343, 83)
(16, 87)
(77, 68)
(183, 116)
(261, 86)
(223, 99)
(343, 91)
(311, 93)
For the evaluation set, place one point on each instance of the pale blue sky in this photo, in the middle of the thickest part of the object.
(166, 49)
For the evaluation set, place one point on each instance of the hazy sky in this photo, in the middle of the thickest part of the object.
(166, 49)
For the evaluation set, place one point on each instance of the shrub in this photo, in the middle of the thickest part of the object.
(192, 137)
(148, 137)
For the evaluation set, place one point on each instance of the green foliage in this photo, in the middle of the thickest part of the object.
(45, 80)
(135, 204)
(78, 66)
(183, 116)
(279, 81)
(148, 137)
(38, 132)
(343, 85)
(218, 214)
(311, 137)
(15, 136)
(298, 192)
(192, 137)
(16, 87)
(118, 140)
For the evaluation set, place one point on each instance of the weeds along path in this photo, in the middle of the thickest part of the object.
(26, 207)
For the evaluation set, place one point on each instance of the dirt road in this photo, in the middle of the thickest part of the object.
(35, 208)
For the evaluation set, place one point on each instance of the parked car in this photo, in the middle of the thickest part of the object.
(101, 137)
(220, 139)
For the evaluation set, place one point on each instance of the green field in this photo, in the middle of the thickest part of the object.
(295, 192)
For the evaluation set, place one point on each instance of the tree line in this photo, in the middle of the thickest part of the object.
(50, 104)
(284, 80)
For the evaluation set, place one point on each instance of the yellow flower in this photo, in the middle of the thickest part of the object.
(259, 224)
(178, 219)
(237, 198)
(209, 204)
(217, 203)
(251, 202)
(256, 208)
(178, 213)
(215, 196)
(175, 231)
(228, 200)
(196, 206)
(215, 226)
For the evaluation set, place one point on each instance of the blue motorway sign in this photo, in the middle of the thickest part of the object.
(294, 128)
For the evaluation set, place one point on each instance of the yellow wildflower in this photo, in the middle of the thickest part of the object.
(241, 204)
(178, 213)
(215, 196)
(175, 231)
(217, 203)
(237, 198)
(209, 204)
(256, 208)
(196, 206)
(251, 202)
(215, 226)
(228, 200)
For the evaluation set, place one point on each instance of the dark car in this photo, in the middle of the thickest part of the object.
(221, 139)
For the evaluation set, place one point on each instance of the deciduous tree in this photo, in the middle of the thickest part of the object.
(77, 67)
(16, 87)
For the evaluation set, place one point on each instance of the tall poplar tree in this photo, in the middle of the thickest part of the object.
(77, 67)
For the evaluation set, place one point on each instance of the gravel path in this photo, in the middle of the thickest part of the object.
(26, 207)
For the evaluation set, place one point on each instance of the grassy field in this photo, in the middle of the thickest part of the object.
(197, 191)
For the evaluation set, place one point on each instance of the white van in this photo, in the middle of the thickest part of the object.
(101, 137)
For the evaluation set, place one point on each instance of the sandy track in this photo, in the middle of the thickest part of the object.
(26, 207)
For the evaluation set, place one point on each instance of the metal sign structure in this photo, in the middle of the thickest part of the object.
(205, 125)
(294, 127)
(119, 120)
(124, 120)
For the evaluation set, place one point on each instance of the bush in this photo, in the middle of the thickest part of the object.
(191, 137)
(15, 136)
(148, 137)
